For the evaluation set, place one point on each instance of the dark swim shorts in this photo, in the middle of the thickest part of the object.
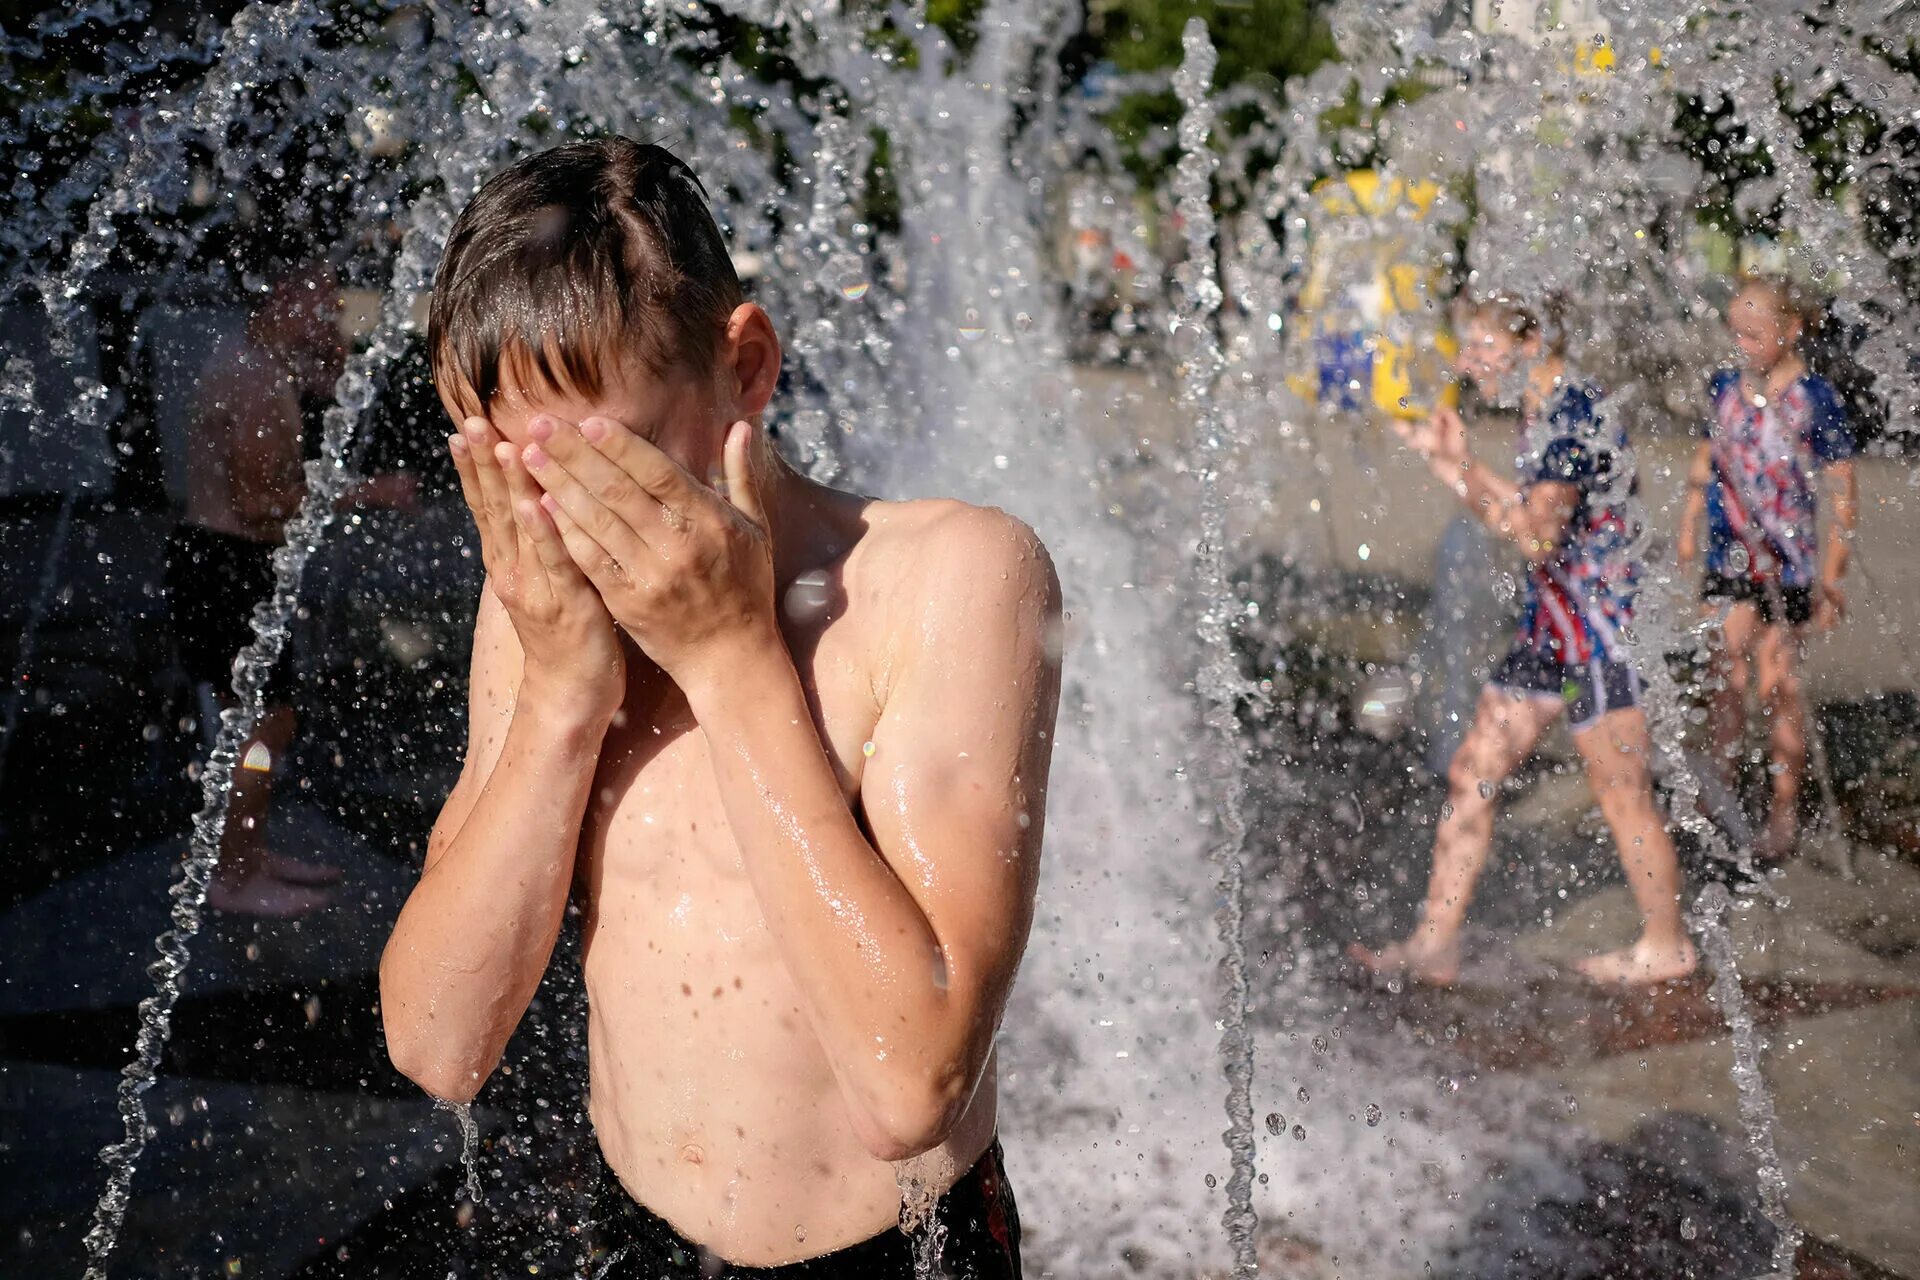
(1589, 689)
(982, 1228)
(1772, 597)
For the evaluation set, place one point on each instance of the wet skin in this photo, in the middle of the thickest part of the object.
(805, 838)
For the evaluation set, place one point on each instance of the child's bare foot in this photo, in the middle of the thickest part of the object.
(263, 894)
(1433, 963)
(1642, 964)
(285, 867)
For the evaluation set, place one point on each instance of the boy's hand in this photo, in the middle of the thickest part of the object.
(688, 574)
(574, 664)
(1441, 439)
(1832, 606)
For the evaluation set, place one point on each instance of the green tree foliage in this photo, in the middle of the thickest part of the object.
(1266, 41)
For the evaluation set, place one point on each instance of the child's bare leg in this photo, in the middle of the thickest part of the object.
(1505, 727)
(1732, 672)
(1615, 750)
(1777, 671)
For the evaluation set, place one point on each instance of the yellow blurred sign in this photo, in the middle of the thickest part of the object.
(1367, 305)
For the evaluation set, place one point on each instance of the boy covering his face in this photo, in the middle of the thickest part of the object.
(787, 747)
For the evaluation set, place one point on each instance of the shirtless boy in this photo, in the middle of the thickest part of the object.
(787, 747)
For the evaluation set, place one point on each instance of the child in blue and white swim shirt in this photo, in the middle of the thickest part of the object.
(1567, 507)
(1580, 594)
(1772, 426)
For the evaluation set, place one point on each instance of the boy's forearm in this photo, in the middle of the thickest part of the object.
(475, 936)
(1501, 506)
(862, 952)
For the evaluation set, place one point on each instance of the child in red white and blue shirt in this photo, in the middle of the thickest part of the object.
(1772, 427)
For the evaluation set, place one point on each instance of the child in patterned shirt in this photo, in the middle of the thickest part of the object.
(1567, 507)
(1772, 425)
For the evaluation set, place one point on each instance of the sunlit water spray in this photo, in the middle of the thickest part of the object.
(1197, 338)
(462, 1113)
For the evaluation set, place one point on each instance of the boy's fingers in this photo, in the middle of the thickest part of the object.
(463, 468)
(596, 469)
(547, 545)
(606, 525)
(520, 488)
(494, 509)
(643, 463)
(588, 556)
(743, 490)
(494, 523)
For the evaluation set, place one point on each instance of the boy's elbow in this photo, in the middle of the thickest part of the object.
(424, 1058)
(444, 1076)
(438, 1078)
(916, 1117)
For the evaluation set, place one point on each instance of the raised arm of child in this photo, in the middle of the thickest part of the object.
(1534, 517)
(477, 932)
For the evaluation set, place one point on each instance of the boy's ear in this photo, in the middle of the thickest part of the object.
(752, 351)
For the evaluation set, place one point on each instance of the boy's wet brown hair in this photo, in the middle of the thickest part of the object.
(573, 260)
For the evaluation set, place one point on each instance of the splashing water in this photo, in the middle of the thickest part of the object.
(920, 1218)
(1220, 681)
(462, 1113)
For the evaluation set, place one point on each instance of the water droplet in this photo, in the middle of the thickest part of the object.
(808, 597)
(846, 275)
(972, 329)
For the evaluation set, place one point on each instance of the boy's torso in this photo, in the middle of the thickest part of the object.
(1761, 508)
(1580, 599)
(712, 1098)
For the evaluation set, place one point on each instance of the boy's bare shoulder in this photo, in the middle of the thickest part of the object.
(944, 540)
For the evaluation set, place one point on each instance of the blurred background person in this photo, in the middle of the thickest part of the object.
(1566, 511)
(1772, 426)
(244, 481)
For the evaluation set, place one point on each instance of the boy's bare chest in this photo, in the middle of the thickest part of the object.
(656, 817)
